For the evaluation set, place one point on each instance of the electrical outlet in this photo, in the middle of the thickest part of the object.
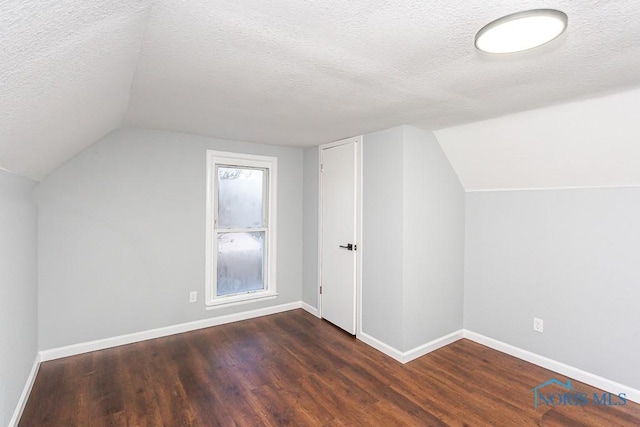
(193, 296)
(538, 325)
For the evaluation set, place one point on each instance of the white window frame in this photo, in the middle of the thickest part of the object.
(219, 158)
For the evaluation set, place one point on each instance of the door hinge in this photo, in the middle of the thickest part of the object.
(320, 290)
(321, 167)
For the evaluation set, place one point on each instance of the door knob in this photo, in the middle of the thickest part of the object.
(349, 247)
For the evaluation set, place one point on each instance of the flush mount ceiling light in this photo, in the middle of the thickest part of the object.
(521, 31)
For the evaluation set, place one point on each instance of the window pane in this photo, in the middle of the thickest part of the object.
(240, 262)
(240, 197)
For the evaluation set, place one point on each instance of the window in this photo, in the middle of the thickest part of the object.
(241, 221)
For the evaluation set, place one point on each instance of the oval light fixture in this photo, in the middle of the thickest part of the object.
(521, 31)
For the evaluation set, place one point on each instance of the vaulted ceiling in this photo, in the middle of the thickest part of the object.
(283, 72)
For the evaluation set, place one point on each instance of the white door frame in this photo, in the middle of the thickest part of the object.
(358, 143)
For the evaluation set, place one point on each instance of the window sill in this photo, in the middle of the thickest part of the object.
(240, 299)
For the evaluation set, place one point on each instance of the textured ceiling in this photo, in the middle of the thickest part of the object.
(283, 72)
(65, 75)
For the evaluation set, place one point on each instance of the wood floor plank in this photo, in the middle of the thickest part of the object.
(294, 369)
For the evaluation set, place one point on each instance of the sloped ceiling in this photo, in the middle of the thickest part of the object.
(592, 143)
(65, 76)
(295, 72)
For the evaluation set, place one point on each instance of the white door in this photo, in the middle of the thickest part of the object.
(338, 233)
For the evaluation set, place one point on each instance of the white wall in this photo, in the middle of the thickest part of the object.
(567, 252)
(122, 235)
(382, 163)
(569, 257)
(413, 239)
(18, 289)
(592, 143)
(433, 241)
(310, 227)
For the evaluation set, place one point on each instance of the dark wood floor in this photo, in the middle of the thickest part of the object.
(293, 369)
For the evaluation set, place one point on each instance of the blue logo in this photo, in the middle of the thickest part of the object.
(570, 397)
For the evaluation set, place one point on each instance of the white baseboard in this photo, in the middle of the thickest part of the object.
(17, 413)
(380, 346)
(555, 366)
(408, 356)
(310, 309)
(432, 346)
(85, 347)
